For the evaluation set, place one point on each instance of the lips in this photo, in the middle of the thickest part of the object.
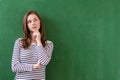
(33, 27)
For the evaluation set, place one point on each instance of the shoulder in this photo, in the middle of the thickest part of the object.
(18, 41)
(48, 42)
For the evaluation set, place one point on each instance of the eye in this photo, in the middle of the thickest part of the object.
(29, 21)
(35, 19)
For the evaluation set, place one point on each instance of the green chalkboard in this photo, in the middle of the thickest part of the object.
(85, 33)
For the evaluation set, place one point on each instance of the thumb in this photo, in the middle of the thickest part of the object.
(38, 62)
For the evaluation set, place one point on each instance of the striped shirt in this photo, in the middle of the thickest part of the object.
(23, 60)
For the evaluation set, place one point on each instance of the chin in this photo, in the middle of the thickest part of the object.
(34, 30)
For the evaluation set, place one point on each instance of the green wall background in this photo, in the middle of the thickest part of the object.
(85, 35)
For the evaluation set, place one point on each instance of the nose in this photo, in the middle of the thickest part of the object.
(33, 22)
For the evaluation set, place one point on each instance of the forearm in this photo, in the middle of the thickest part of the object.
(42, 55)
(21, 67)
(37, 65)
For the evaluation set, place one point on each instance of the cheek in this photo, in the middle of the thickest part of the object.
(29, 27)
(38, 25)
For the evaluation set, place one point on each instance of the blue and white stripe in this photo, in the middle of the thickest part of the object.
(23, 60)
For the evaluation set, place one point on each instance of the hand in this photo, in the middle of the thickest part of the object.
(37, 37)
(37, 65)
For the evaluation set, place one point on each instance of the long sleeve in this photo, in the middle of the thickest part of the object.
(45, 53)
(16, 65)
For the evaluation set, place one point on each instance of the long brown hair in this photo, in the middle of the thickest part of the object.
(26, 40)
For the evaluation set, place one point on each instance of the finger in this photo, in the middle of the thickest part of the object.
(38, 62)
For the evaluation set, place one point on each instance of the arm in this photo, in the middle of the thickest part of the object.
(45, 53)
(16, 65)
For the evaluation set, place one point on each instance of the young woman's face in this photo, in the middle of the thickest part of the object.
(33, 23)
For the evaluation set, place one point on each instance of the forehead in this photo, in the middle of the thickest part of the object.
(32, 16)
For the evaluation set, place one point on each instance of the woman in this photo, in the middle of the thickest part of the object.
(32, 52)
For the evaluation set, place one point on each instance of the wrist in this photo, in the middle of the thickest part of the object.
(36, 66)
(39, 43)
